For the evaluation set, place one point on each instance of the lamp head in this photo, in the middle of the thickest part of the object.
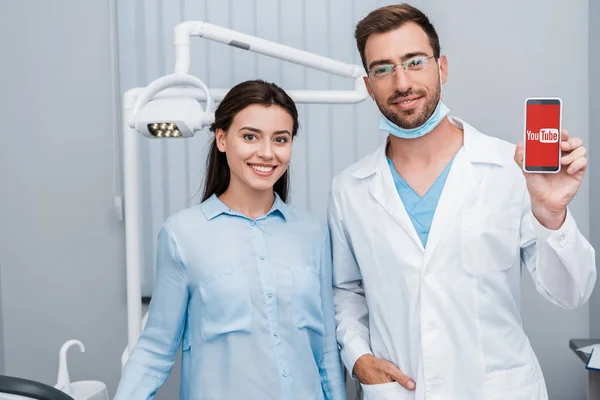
(170, 118)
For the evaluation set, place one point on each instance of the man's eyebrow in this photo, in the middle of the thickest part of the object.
(379, 62)
(413, 54)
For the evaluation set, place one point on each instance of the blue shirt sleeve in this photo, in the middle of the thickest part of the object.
(153, 356)
(330, 366)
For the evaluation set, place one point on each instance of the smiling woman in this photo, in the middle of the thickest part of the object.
(254, 128)
(243, 281)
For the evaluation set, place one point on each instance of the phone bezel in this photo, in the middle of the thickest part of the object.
(543, 169)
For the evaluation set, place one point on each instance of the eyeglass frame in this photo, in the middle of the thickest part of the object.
(404, 65)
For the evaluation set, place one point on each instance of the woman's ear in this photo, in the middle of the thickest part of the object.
(220, 139)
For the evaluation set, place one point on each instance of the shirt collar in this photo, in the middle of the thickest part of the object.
(213, 207)
(478, 147)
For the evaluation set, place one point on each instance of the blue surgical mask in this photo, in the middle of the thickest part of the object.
(434, 120)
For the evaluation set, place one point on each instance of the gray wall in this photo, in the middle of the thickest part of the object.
(594, 53)
(61, 246)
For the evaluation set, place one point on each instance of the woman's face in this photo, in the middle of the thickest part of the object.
(258, 146)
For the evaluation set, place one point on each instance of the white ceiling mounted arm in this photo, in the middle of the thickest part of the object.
(185, 30)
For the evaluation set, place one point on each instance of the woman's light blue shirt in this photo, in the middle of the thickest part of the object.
(251, 301)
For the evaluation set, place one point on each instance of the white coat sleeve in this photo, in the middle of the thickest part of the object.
(351, 312)
(561, 262)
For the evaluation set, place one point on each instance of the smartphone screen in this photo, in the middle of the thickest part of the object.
(542, 135)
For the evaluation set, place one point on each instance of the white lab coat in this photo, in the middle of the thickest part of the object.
(448, 315)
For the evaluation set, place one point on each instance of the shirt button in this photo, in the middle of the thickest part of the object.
(285, 373)
(275, 333)
(252, 223)
(262, 257)
(269, 295)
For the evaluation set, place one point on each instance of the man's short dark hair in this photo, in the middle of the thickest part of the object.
(392, 17)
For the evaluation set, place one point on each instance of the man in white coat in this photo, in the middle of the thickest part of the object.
(429, 231)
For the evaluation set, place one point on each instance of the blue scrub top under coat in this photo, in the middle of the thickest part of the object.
(420, 209)
(250, 301)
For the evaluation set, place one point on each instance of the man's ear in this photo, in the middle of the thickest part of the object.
(444, 68)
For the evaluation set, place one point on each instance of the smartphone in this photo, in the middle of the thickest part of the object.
(543, 124)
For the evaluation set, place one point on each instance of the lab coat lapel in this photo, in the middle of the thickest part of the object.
(462, 181)
(383, 189)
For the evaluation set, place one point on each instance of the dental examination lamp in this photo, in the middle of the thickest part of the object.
(178, 117)
(170, 107)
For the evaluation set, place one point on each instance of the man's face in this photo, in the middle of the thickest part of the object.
(406, 98)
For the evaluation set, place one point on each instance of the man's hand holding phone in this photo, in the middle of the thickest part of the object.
(551, 193)
(373, 371)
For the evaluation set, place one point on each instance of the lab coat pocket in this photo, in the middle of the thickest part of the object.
(306, 300)
(386, 391)
(518, 383)
(490, 241)
(227, 306)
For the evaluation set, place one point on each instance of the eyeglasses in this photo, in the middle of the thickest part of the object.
(384, 71)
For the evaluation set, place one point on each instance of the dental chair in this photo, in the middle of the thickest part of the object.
(12, 388)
